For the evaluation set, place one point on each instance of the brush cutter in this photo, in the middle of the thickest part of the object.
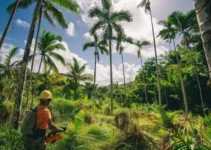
(54, 136)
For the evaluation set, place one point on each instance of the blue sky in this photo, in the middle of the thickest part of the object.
(139, 29)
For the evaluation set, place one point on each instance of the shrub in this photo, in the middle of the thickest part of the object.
(5, 111)
(88, 117)
(10, 139)
(122, 121)
(97, 132)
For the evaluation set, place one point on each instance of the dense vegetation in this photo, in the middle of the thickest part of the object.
(167, 106)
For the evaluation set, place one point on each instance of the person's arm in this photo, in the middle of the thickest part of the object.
(52, 126)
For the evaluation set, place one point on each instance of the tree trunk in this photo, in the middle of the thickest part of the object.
(111, 73)
(32, 65)
(145, 88)
(8, 24)
(166, 98)
(204, 20)
(75, 90)
(22, 76)
(156, 60)
(95, 65)
(201, 96)
(155, 94)
(95, 70)
(35, 84)
(123, 66)
(184, 95)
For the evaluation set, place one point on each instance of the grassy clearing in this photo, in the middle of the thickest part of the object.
(89, 127)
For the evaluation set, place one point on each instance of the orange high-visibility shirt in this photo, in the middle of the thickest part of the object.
(42, 116)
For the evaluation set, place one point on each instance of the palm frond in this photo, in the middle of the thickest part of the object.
(145, 43)
(96, 12)
(96, 39)
(97, 26)
(51, 64)
(58, 46)
(88, 44)
(11, 54)
(118, 28)
(139, 53)
(82, 69)
(106, 4)
(143, 3)
(177, 19)
(58, 16)
(163, 22)
(68, 4)
(48, 18)
(86, 77)
(121, 16)
(103, 49)
(57, 57)
(22, 4)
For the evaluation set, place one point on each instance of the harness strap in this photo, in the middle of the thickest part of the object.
(37, 109)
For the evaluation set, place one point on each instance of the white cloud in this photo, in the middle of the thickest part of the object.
(103, 73)
(32, 46)
(87, 36)
(71, 29)
(139, 29)
(22, 23)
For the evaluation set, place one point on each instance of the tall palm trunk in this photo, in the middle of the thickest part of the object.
(95, 65)
(95, 70)
(181, 81)
(200, 91)
(156, 61)
(35, 84)
(111, 73)
(203, 17)
(8, 24)
(22, 75)
(75, 90)
(123, 66)
(32, 65)
(166, 98)
(145, 88)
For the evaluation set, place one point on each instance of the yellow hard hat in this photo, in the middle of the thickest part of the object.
(45, 95)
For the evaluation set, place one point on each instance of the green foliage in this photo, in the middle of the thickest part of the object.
(6, 108)
(10, 139)
(97, 132)
(167, 119)
(122, 120)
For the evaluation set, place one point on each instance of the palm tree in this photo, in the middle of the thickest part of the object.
(119, 40)
(9, 22)
(203, 8)
(169, 34)
(109, 26)
(99, 45)
(7, 67)
(46, 9)
(140, 46)
(146, 4)
(22, 76)
(47, 79)
(76, 74)
(17, 108)
(47, 45)
(183, 23)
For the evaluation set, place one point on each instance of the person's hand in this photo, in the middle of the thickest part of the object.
(60, 129)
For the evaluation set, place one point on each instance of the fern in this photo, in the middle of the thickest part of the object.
(167, 120)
